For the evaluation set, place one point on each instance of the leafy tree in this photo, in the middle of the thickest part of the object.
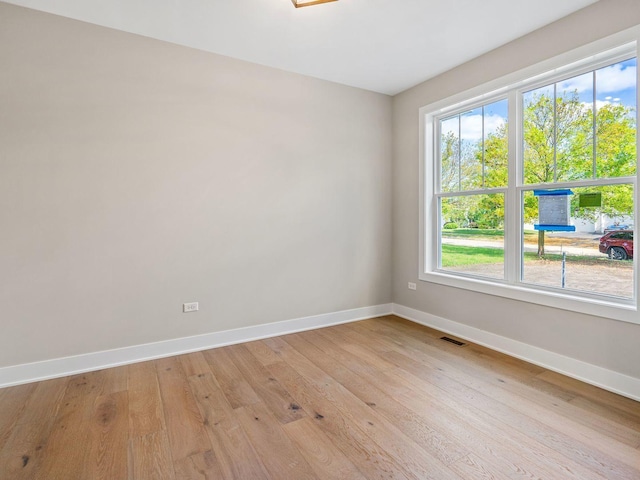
(464, 168)
(616, 141)
(558, 147)
(573, 156)
(449, 154)
(556, 141)
(496, 158)
(490, 209)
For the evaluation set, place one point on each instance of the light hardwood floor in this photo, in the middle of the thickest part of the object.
(376, 399)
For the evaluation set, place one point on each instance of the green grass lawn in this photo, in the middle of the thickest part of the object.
(457, 255)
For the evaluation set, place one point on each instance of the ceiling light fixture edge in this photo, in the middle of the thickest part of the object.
(308, 3)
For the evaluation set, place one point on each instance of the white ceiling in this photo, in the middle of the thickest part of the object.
(382, 45)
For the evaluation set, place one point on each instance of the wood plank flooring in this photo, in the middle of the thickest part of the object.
(377, 399)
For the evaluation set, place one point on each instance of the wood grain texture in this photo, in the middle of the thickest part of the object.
(13, 401)
(281, 404)
(150, 457)
(23, 451)
(145, 404)
(235, 455)
(236, 388)
(185, 426)
(376, 399)
(274, 447)
(323, 456)
(108, 437)
(202, 466)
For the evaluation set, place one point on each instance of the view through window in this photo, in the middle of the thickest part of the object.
(572, 184)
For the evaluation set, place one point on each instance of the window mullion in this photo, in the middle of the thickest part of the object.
(512, 227)
(459, 153)
(483, 149)
(555, 132)
(594, 128)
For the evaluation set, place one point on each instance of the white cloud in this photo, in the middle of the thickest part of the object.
(611, 79)
(581, 84)
(492, 123)
(614, 78)
(471, 127)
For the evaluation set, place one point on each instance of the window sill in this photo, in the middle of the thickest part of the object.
(601, 306)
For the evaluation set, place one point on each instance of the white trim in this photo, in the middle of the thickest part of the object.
(582, 302)
(600, 377)
(60, 367)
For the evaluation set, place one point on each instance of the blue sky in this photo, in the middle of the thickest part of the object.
(471, 126)
(614, 84)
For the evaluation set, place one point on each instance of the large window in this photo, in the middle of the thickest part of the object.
(530, 190)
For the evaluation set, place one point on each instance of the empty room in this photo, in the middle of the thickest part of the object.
(334, 239)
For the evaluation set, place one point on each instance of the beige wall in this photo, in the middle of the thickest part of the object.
(136, 175)
(610, 344)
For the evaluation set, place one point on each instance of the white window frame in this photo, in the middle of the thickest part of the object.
(587, 58)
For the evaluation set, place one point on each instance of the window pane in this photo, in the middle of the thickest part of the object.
(539, 135)
(474, 149)
(450, 154)
(616, 120)
(496, 150)
(559, 121)
(472, 235)
(574, 128)
(587, 260)
(471, 124)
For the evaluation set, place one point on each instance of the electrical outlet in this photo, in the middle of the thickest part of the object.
(190, 307)
(412, 286)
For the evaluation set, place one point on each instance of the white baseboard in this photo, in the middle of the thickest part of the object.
(60, 367)
(601, 377)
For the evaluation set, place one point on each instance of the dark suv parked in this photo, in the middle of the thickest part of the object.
(617, 244)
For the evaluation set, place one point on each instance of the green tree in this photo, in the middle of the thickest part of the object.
(559, 147)
(489, 211)
(464, 167)
(460, 171)
(449, 154)
(556, 136)
(616, 141)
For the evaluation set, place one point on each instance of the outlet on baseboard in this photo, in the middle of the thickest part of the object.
(412, 286)
(190, 307)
